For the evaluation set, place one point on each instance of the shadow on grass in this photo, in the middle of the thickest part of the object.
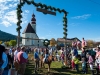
(60, 69)
(66, 71)
(29, 69)
(55, 74)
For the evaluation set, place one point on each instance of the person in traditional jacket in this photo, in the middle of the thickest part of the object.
(36, 59)
(22, 60)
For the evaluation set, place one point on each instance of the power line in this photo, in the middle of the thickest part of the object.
(94, 2)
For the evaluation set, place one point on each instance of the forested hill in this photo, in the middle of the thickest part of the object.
(4, 36)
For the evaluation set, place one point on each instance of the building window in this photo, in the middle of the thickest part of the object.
(38, 45)
(27, 38)
(33, 42)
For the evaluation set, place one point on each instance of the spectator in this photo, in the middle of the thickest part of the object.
(62, 58)
(22, 60)
(4, 61)
(83, 65)
(90, 61)
(76, 61)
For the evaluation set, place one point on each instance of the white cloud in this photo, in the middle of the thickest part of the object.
(27, 11)
(8, 16)
(85, 16)
(42, 38)
(5, 23)
(74, 24)
(11, 16)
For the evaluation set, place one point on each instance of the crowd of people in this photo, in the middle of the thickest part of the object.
(87, 57)
(15, 58)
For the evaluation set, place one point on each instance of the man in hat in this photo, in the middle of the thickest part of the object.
(22, 60)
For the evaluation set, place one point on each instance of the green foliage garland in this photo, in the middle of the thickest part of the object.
(46, 42)
(65, 25)
(42, 6)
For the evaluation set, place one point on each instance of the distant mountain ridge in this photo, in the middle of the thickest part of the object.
(4, 36)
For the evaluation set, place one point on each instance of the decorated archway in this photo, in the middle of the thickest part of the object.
(41, 8)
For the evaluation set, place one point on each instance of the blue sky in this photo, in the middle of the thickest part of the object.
(83, 18)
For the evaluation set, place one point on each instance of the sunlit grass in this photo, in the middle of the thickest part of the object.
(55, 69)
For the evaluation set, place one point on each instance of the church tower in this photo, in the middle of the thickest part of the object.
(33, 22)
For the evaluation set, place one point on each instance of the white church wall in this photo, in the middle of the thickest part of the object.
(40, 43)
(23, 40)
(29, 41)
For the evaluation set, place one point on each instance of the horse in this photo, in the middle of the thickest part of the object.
(48, 62)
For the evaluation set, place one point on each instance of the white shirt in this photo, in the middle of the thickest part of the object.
(5, 60)
(15, 55)
(10, 51)
(58, 55)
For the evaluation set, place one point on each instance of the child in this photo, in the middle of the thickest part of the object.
(76, 61)
(83, 65)
(72, 63)
(62, 58)
(90, 61)
(69, 61)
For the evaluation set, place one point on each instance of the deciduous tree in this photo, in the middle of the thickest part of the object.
(90, 43)
(12, 43)
(52, 42)
(6, 43)
(0, 42)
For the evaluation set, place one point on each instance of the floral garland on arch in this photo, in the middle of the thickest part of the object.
(42, 6)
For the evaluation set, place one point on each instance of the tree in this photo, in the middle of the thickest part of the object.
(90, 43)
(0, 42)
(12, 43)
(52, 42)
(6, 43)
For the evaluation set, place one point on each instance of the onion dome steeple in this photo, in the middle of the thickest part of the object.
(33, 20)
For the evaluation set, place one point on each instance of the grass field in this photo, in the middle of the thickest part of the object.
(55, 69)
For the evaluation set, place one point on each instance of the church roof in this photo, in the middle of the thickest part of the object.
(29, 29)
